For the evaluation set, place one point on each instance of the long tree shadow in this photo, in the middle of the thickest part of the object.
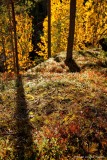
(23, 140)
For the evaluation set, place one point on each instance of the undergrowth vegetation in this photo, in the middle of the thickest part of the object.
(57, 115)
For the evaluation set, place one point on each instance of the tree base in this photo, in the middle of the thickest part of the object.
(73, 67)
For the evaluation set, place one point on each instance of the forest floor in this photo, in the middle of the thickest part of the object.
(49, 113)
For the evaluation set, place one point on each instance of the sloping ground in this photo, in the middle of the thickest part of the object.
(56, 115)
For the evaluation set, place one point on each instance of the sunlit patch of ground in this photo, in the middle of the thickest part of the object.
(63, 115)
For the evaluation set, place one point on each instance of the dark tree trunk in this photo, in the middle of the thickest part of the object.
(49, 28)
(3, 56)
(12, 38)
(15, 38)
(71, 29)
(69, 57)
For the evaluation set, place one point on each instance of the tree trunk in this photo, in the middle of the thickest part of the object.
(71, 30)
(12, 38)
(69, 57)
(49, 28)
(15, 37)
(4, 64)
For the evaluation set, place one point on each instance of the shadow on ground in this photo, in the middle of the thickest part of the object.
(73, 67)
(23, 137)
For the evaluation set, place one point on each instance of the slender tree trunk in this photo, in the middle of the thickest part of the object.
(15, 37)
(73, 67)
(49, 28)
(71, 30)
(4, 64)
(95, 28)
(11, 34)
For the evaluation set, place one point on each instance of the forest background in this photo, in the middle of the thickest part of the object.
(32, 29)
(48, 112)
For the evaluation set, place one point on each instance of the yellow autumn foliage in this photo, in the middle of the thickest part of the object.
(60, 23)
(90, 25)
(24, 39)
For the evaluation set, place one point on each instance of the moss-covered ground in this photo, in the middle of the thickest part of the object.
(49, 113)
